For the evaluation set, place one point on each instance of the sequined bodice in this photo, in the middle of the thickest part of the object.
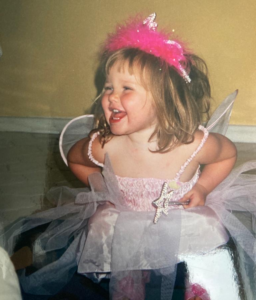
(139, 193)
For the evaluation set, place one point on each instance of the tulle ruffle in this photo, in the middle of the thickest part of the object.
(92, 231)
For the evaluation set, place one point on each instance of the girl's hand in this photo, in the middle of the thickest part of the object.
(196, 196)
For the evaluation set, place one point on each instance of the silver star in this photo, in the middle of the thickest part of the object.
(162, 202)
(149, 21)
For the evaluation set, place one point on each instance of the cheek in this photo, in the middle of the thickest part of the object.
(151, 113)
(104, 103)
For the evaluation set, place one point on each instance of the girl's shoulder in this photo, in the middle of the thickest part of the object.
(215, 147)
(88, 152)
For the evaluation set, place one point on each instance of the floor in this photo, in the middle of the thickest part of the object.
(31, 164)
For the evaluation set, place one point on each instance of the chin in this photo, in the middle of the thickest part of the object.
(117, 130)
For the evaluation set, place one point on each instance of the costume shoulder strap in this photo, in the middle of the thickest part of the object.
(218, 123)
(92, 159)
(183, 167)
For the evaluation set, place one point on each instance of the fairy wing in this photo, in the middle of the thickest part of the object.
(219, 120)
(75, 130)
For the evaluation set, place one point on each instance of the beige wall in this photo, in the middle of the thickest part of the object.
(49, 49)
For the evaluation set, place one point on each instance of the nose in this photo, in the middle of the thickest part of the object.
(113, 97)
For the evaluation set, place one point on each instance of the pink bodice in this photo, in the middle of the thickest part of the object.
(139, 193)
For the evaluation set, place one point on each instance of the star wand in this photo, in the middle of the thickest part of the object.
(164, 201)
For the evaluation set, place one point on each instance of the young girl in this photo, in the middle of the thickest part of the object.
(148, 125)
(145, 211)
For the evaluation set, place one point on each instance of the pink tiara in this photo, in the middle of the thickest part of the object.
(143, 35)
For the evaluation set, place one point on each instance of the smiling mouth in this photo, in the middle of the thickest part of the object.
(116, 116)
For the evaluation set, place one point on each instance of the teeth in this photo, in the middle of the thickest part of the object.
(115, 110)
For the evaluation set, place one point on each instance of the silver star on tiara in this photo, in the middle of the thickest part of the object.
(149, 21)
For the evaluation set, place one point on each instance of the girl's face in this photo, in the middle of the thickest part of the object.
(127, 105)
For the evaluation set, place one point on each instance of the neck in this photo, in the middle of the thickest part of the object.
(140, 140)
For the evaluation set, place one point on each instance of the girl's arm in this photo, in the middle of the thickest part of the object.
(219, 156)
(79, 162)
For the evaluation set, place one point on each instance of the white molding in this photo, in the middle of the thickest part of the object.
(35, 124)
(242, 133)
(237, 133)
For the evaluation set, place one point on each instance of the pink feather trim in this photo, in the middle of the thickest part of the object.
(144, 36)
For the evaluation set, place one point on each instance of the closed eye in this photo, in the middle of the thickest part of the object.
(108, 89)
(127, 88)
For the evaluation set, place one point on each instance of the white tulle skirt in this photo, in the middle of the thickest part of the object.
(94, 233)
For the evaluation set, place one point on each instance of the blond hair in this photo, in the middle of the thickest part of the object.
(180, 106)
